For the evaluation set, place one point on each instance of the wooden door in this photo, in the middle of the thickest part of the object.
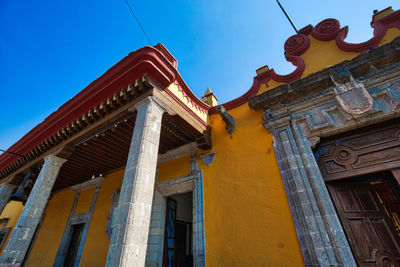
(369, 231)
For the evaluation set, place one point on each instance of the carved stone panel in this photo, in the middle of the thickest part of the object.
(365, 151)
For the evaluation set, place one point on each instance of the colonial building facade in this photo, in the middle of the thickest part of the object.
(135, 170)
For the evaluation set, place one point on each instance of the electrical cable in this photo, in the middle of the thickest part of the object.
(137, 20)
(9, 152)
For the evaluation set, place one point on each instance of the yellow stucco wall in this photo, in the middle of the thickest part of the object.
(97, 241)
(49, 237)
(173, 168)
(11, 211)
(247, 217)
(96, 246)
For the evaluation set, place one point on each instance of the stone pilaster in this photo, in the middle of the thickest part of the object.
(5, 193)
(29, 219)
(129, 237)
(321, 237)
(199, 252)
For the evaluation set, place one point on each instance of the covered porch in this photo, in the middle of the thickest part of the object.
(150, 116)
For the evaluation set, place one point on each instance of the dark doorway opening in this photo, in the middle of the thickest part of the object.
(75, 239)
(178, 231)
(369, 210)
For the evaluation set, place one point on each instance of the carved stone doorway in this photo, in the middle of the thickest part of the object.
(360, 169)
(368, 209)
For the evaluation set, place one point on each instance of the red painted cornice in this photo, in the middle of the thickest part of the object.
(296, 45)
(155, 62)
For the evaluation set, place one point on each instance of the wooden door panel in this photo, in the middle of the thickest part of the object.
(348, 201)
(383, 231)
(367, 200)
(370, 232)
(360, 240)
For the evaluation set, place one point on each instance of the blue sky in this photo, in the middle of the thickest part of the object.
(51, 50)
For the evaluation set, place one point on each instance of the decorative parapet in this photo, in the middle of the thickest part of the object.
(349, 95)
(326, 30)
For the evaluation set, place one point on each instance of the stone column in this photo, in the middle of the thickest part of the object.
(321, 237)
(24, 230)
(5, 193)
(129, 237)
(155, 246)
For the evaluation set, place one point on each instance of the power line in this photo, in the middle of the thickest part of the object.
(137, 20)
(12, 153)
(287, 16)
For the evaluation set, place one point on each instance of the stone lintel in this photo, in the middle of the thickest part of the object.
(85, 185)
(179, 152)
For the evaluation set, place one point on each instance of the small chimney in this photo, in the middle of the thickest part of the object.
(210, 98)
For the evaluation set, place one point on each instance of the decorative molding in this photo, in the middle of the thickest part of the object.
(178, 185)
(367, 151)
(208, 158)
(351, 95)
(326, 30)
(321, 237)
(314, 141)
(297, 44)
(186, 107)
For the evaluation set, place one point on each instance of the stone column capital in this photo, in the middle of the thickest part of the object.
(54, 160)
(149, 99)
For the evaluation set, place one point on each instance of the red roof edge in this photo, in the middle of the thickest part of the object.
(155, 62)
